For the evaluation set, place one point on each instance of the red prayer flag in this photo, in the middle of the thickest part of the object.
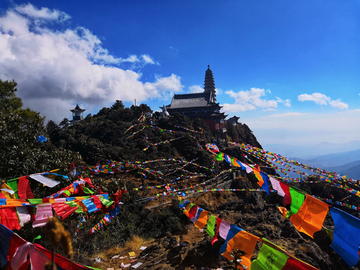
(63, 210)
(218, 221)
(24, 190)
(9, 218)
(287, 197)
(97, 201)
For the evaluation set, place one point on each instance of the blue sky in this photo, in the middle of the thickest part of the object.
(289, 69)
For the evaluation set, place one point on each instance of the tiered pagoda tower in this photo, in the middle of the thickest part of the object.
(201, 105)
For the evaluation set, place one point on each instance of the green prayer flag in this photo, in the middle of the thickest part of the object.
(297, 200)
(210, 226)
(105, 202)
(220, 157)
(87, 191)
(269, 258)
(13, 183)
(35, 201)
(71, 203)
(67, 192)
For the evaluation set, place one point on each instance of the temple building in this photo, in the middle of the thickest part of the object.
(77, 114)
(201, 105)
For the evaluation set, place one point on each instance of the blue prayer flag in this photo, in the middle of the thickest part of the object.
(5, 238)
(265, 186)
(91, 207)
(346, 236)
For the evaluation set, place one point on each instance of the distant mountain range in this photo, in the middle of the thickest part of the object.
(312, 151)
(344, 162)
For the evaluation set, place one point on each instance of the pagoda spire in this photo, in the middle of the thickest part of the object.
(209, 85)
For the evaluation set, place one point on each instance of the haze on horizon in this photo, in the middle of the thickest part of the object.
(289, 70)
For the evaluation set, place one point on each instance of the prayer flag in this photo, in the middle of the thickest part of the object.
(210, 226)
(276, 185)
(9, 218)
(24, 190)
(287, 196)
(297, 199)
(44, 180)
(23, 215)
(218, 222)
(91, 207)
(220, 156)
(63, 210)
(224, 229)
(201, 221)
(346, 236)
(227, 158)
(311, 216)
(43, 211)
(243, 241)
(274, 258)
(7, 191)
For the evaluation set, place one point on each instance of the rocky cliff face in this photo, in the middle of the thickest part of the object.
(241, 133)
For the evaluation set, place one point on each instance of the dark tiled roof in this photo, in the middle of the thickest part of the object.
(190, 100)
(77, 109)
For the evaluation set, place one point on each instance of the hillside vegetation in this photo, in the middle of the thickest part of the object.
(172, 240)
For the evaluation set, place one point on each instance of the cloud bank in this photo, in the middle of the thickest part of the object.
(251, 100)
(306, 128)
(56, 69)
(322, 99)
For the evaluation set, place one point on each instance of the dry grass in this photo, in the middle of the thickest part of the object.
(132, 245)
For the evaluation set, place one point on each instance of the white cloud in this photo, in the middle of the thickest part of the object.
(306, 128)
(339, 104)
(250, 100)
(147, 59)
(43, 13)
(291, 114)
(285, 102)
(322, 99)
(54, 69)
(196, 89)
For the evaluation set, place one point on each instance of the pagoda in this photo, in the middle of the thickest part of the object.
(77, 114)
(201, 105)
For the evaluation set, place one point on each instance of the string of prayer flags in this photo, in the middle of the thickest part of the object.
(273, 257)
(311, 216)
(346, 236)
(238, 240)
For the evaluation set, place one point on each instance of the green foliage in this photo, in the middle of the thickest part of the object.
(22, 154)
(8, 100)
